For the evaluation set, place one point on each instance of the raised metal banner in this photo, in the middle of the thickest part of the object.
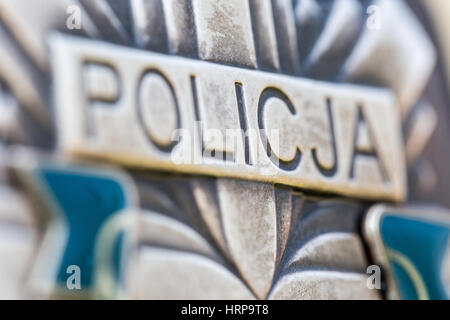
(170, 113)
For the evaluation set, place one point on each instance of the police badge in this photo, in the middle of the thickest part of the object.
(201, 149)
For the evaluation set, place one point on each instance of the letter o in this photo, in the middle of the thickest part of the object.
(157, 109)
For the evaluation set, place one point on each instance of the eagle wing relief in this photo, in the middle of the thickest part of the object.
(258, 241)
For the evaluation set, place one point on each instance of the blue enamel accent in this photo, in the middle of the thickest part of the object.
(86, 201)
(424, 244)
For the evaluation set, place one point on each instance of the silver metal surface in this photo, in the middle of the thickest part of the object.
(153, 87)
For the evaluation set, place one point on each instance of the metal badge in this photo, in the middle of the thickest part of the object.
(413, 246)
(231, 132)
